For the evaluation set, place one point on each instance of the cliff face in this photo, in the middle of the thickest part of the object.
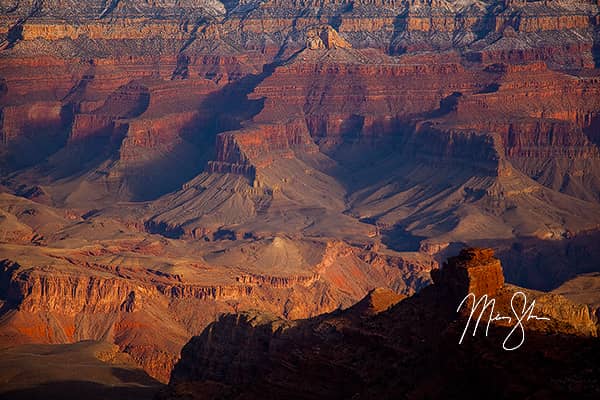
(260, 145)
(153, 297)
(254, 355)
(472, 148)
(394, 21)
(103, 76)
(500, 125)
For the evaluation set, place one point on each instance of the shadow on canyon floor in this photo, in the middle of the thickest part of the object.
(546, 264)
(77, 390)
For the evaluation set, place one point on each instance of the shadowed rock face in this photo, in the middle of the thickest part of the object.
(325, 38)
(396, 350)
(94, 369)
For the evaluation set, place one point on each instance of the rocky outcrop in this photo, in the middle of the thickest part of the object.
(325, 37)
(472, 271)
(244, 151)
(256, 355)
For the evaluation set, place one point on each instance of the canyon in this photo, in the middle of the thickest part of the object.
(268, 169)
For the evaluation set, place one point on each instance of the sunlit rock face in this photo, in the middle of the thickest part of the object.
(474, 271)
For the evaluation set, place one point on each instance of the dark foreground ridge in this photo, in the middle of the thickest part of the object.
(403, 348)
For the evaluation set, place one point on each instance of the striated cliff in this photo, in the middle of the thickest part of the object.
(103, 76)
(149, 297)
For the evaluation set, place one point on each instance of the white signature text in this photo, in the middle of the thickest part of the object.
(516, 336)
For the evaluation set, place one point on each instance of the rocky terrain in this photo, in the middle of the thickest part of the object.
(148, 294)
(164, 163)
(388, 346)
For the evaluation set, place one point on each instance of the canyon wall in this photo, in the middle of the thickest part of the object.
(55, 296)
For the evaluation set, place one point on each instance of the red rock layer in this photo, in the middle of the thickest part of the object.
(151, 313)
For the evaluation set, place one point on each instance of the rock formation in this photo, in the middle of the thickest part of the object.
(325, 37)
(341, 354)
(95, 280)
(472, 271)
